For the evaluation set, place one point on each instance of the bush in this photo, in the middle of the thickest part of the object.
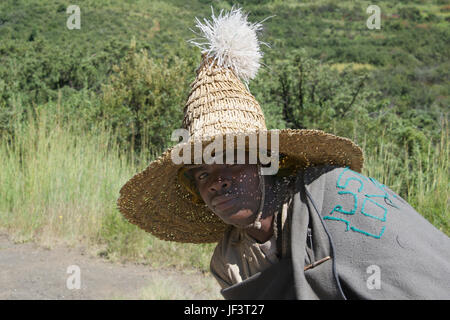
(410, 13)
(144, 99)
(310, 94)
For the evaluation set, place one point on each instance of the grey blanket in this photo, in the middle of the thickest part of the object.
(366, 243)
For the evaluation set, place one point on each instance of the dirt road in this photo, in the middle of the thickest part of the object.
(28, 271)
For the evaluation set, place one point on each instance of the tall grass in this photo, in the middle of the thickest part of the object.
(59, 183)
(421, 178)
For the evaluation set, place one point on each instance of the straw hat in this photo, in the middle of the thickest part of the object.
(158, 199)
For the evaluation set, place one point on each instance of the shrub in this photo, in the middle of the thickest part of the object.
(410, 13)
(144, 99)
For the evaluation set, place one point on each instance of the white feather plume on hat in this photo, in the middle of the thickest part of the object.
(232, 42)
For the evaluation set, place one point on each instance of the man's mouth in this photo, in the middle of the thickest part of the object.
(224, 201)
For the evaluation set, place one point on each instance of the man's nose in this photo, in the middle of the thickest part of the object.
(220, 184)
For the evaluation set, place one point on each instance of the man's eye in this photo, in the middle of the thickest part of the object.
(202, 176)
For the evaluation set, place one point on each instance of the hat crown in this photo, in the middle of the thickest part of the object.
(219, 103)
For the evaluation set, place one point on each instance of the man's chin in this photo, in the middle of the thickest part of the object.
(241, 218)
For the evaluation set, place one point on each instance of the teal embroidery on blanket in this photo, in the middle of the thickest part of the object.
(370, 215)
(349, 179)
(370, 208)
(347, 224)
(370, 234)
(348, 227)
(386, 194)
(339, 208)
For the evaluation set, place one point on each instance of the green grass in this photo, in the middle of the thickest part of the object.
(425, 183)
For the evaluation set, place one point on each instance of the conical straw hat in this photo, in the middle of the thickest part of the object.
(220, 106)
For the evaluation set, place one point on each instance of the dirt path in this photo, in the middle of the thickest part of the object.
(28, 271)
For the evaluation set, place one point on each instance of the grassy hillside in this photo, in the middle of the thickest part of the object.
(40, 55)
(81, 111)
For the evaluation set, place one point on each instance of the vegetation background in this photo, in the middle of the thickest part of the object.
(82, 111)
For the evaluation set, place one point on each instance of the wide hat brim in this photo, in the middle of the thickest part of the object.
(155, 200)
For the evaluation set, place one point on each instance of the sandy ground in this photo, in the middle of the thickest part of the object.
(30, 272)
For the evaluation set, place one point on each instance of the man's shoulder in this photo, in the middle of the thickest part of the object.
(311, 174)
(316, 174)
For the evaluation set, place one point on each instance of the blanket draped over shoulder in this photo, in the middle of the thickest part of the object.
(368, 243)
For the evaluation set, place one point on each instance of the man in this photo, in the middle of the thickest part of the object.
(329, 256)
(316, 228)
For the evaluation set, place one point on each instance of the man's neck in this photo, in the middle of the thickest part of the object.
(274, 198)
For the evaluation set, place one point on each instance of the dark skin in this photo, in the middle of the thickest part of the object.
(232, 192)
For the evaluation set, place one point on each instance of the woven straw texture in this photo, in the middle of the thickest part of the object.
(218, 104)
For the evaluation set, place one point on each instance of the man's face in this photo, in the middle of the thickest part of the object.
(230, 191)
